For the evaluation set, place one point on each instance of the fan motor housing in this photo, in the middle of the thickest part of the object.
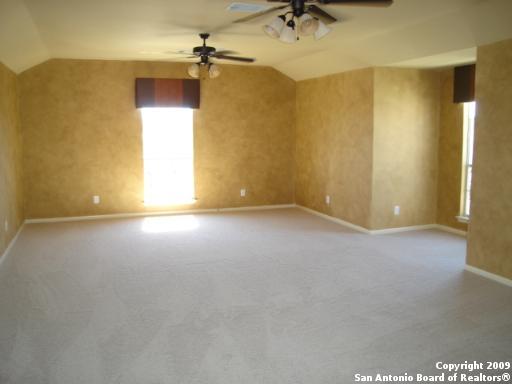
(201, 51)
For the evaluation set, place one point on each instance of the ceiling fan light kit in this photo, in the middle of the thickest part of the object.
(214, 70)
(305, 18)
(288, 31)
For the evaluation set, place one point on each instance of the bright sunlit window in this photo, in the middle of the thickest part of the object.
(467, 161)
(168, 150)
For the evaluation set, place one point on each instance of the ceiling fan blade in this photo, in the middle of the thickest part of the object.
(234, 58)
(321, 14)
(225, 52)
(363, 3)
(262, 13)
(180, 53)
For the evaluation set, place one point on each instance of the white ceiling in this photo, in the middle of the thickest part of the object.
(414, 33)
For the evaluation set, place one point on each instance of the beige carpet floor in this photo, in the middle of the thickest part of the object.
(255, 297)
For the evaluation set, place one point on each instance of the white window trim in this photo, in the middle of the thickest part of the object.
(463, 217)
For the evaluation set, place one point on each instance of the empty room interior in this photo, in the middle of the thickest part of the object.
(257, 192)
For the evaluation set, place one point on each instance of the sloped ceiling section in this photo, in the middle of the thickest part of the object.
(21, 46)
(431, 41)
(413, 33)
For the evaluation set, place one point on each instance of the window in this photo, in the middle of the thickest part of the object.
(168, 151)
(467, 157)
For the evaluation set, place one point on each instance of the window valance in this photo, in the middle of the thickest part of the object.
(464, 84)
(161, 93)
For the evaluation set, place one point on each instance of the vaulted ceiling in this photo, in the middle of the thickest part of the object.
(412, 33)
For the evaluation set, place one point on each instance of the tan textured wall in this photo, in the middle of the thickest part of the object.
(11, 191)
(449, 179)
(82, 137)
(490, 227)
(334, 144)
(406, 125)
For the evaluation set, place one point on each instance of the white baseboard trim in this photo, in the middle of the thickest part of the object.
(387, 231)
(488, 275)
(257, 208)
(383, 231)
(115, 216)
(335, 220)
(11, 244)
(155, 213)
(445, 228)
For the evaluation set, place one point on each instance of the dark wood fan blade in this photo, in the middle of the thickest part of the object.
(363, 3)
(188, 57)
(181, 53)
(321, 14)
(258, 14)
(225, 52)
(235, 58)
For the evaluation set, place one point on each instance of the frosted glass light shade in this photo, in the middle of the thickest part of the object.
(214, 71)
(193, 71)
(308, 25)
(322, 30)
(275, 27)
(288, 35)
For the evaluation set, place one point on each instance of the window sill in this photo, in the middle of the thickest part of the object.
(462, 219)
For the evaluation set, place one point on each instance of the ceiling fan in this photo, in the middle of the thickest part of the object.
(305, 18)
(204, 53)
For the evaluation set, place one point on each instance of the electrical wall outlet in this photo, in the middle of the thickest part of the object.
(6, 225)
(328, 200)
(96, 199)
(243, 191)
(396, 210)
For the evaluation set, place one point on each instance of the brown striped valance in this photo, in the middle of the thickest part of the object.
(154, 93)
(464, 84)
